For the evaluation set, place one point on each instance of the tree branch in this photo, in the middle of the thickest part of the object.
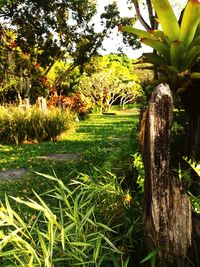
(151, 15)
(62, 76)
(140, 17)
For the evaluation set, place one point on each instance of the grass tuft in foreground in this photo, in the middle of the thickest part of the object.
(90, 222)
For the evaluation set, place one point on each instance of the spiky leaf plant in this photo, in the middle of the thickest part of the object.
(177, 46)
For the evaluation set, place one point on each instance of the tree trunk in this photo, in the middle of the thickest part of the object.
(167, 209)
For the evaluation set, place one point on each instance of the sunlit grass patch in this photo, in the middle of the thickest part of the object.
(95, 139)
(84, 218)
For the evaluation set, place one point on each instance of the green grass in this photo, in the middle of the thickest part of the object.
(99, 140)
(85, 219)
(19, 125)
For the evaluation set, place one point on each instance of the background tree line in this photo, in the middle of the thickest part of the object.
(50, 47)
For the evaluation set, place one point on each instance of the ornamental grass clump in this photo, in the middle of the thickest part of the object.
(19, 125)
(84, 224)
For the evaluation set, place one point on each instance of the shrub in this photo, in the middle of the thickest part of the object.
(19, 125)
(92, 222)
(76, 103)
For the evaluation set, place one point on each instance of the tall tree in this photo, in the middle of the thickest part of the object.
(110, 78)
(18, 70)
(48, 30)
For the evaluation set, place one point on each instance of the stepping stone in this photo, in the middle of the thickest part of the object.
(12, 174)
(61, 157)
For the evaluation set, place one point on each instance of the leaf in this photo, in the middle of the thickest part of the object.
(13, 236)
(192, 55)
(70, 216)
(32, 204)
(166, 18)
(159, 46)
(80, 244)
(196, 41)
(157, 34)
(193, 164)
(190, 22)
(50, 177)
(177, 54)
(140, 33)
(170, 69)
(86, 216)
(97, 249)
(105, 227)
(47, 212)
(153, 253)
(195, 75)
(111, 244)
(154, 59)
(8, 208)
(125, 264)
(153, 261)
(42, 243)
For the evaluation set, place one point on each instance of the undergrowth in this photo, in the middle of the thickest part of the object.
(91, 215)
(91, 221)
(20, 125)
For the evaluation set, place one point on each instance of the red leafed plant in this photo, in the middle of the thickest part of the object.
(76, 103)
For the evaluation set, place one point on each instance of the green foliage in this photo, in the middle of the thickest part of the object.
(151, 257)
(98, 219)
(61, 76)
(49, 31)
(97, 140)
(48, 16)
(109, 79)
(18, 125)
(21, 75)
(9, 81)
(177, 136)
(177, 46)
(195, 200)
(138, 165)
(91, 222)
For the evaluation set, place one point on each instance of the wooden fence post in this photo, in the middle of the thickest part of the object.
(167, 209)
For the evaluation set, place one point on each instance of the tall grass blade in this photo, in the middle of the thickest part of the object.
(111, 244)
(96, 251)
(151, 255)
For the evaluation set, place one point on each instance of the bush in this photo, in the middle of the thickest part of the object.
(19, 125)
(76, 103)
(92, 222)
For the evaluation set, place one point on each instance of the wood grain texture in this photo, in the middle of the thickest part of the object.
(167, 209)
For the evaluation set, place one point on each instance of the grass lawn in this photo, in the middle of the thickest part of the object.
(100, 141)
(92, 220)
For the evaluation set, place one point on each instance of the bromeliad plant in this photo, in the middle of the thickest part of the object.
(177, 46)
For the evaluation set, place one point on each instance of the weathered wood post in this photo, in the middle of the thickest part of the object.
(167, 209)
(42, 103)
